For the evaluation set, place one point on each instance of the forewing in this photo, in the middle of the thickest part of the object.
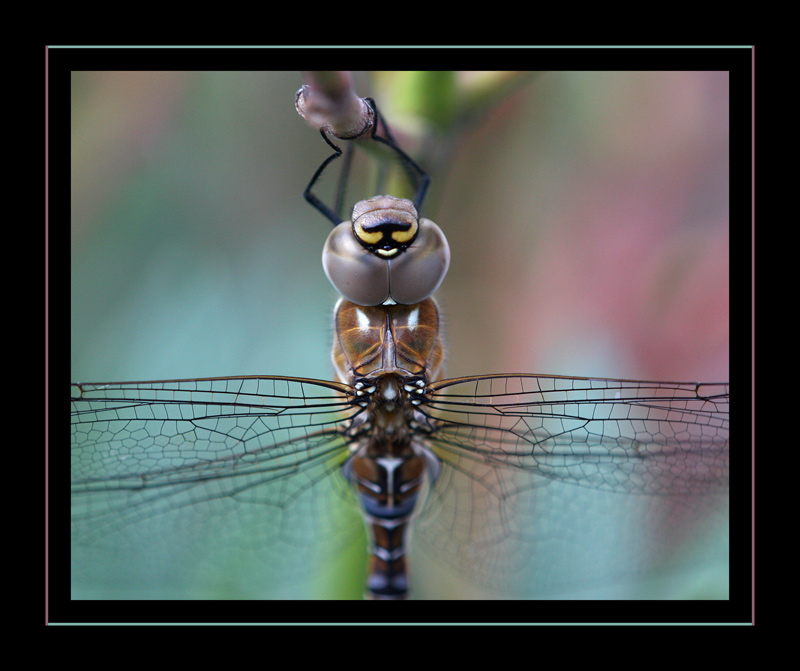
(200, 472)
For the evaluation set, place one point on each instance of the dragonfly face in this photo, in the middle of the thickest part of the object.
(386, 254)
(243, 446)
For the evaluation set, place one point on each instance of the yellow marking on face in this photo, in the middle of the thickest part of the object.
(404, 237)
(368, 238)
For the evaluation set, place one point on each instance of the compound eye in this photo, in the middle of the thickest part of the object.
(355, 272)
(417, 273)
(385, 225)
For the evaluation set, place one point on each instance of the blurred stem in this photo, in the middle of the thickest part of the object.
(427, 95)
(431, 112)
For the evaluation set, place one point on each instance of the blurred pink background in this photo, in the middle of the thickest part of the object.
(589, 225)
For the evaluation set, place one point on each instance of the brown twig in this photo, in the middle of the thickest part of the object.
(328, 101)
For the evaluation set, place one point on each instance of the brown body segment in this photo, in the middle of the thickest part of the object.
(402, 339)
(389, 354)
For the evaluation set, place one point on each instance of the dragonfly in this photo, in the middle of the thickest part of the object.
(477, 469)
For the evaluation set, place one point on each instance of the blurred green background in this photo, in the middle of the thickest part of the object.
(587, 214)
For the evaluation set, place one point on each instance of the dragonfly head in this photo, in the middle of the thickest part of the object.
(386, 254)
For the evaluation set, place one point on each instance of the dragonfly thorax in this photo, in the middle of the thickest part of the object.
(390, 402)
(370, 342)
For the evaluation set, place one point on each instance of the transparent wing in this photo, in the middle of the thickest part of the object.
(225, 484)
(181, 473)
(616, 435)
(572, 477)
